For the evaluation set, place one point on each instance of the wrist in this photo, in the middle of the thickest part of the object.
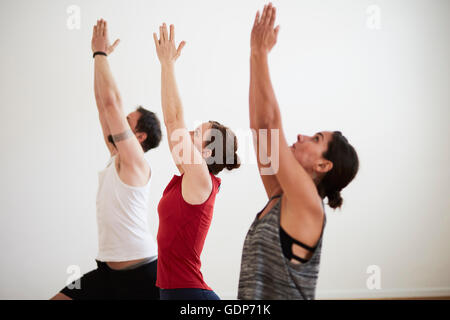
(167, 65)
(258, 54)
(99, 54)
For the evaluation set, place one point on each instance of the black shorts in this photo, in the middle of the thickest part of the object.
(105, 283)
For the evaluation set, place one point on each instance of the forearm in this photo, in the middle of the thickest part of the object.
(264, 110)
(106, 90)
(98, 99)
(170, 98)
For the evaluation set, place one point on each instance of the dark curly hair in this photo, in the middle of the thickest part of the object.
(345, 166)
(149, 123)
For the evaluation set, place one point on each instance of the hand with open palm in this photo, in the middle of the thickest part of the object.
(165, 45)
(100, 39)
(264, 35)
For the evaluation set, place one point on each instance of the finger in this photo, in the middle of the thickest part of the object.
(166, 36)
(268, 14)
(105, 28)
(172, 33)
(273, 17)
(115, 44)
(98, 28)
(263, 16)
(180, 47)
(155, 37)
(94, 31)
(161, 34)
(256, 18)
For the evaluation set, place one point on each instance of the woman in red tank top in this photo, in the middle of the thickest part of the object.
(186, 207)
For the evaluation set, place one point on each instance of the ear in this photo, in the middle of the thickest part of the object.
(324, 166)
(141, 136)
(206, 153)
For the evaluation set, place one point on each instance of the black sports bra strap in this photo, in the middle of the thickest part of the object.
(301, 244)
(286, 237)
(271, 198)
(299, 259)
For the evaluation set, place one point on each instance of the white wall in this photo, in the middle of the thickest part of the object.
(387, 90)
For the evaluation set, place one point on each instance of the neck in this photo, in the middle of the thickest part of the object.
(316, 178)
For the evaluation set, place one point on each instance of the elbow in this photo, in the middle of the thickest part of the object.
(173, 115)
(111, 102)
(268, 120)
(260, 123)
(172, 122)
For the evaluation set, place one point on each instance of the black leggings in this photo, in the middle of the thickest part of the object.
(105, 283)
(188, 294)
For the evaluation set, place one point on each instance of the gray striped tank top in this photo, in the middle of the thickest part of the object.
(266, 273)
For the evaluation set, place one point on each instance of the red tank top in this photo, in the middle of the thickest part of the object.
(181, 236)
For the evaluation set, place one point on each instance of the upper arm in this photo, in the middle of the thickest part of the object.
(298, 187)
(101, 114)
(130, 150)
(106, 133)
(173, 142)
(268, 177)
(186, 156)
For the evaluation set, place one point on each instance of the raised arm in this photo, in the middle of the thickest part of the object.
(296, 184)
(102, 118)
(263, 105)
(170, 98)
(188, 159)
(98, 100)
(112, 116)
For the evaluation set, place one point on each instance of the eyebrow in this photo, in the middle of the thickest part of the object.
(320, 134)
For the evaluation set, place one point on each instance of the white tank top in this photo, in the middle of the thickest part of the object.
(123, 232)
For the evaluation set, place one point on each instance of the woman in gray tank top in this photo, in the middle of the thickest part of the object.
(281, 254)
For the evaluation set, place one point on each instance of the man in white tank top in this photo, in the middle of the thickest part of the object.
(127, 251)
